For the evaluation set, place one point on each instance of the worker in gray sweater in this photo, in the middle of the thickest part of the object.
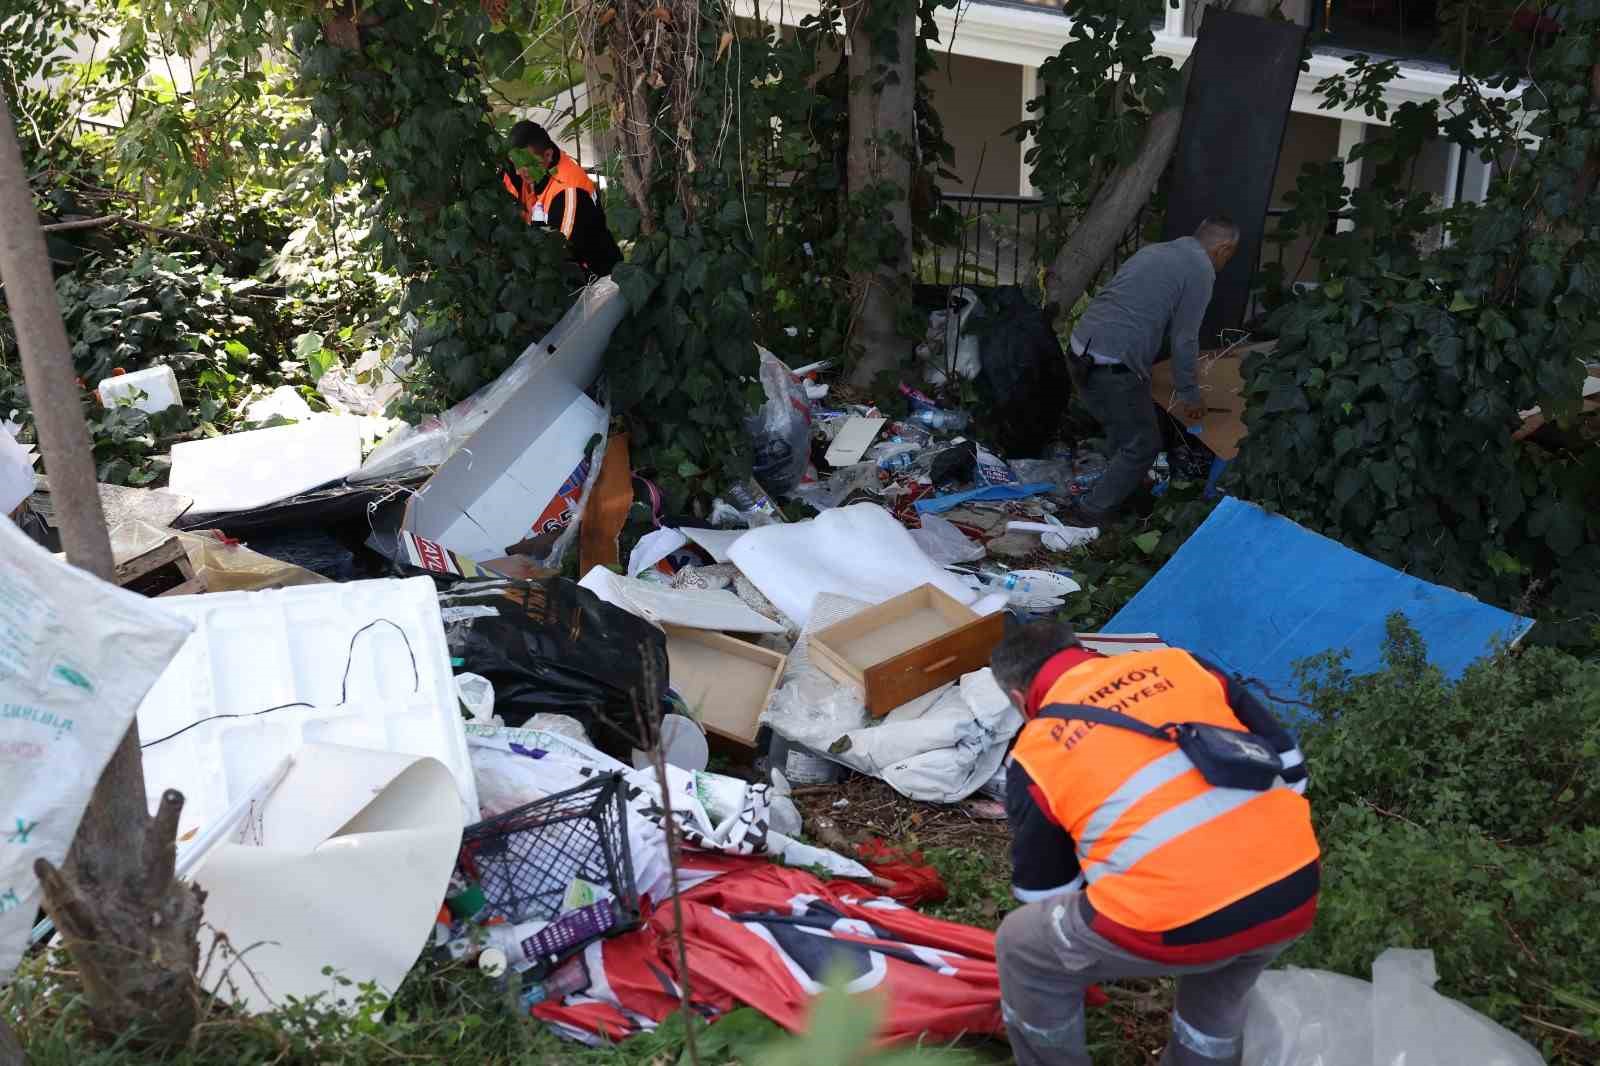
(1159, 295)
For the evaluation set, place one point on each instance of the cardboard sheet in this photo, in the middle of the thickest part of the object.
(343, 865)
(1255, 593)
(1220, 388)
(241, 471)
(607, 510)
(854, 438)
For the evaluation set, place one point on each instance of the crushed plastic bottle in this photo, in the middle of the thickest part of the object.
(938, 418)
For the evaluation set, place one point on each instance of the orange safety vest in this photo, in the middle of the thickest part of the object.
(567, 174)
(1159, 847)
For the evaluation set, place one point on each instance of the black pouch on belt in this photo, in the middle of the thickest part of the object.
(1226, 758)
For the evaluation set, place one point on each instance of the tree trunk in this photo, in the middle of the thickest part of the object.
(131, 927)
(1117, 202)
(883, 92)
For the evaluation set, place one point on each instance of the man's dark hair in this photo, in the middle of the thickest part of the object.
(1025, 650)
(527, 134)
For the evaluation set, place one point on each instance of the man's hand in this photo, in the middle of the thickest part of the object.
(1192, 413)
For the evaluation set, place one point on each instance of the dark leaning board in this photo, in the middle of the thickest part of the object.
(1240, 89)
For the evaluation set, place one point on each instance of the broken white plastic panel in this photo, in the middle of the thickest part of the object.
(859, 551)
(1121, 643)
(694, 608)
(152, 390)
(342, 865)
(497, 491)
(541, 383)
(252, 651)
(242, 471)
(716, 542)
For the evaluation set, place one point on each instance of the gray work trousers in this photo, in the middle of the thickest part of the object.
(1048, 959)
(1120, 401)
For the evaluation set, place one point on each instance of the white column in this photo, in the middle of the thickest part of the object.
(1351, 133)
(1030, 89)
(1475, 182)
(1175, 16)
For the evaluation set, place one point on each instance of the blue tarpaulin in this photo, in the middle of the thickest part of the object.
(1255, 593)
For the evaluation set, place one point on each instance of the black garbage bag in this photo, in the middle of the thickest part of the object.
(552, 647)
(1023, 375)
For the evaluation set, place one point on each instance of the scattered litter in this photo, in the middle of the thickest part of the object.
(477, 697)
(749, 918)
(858, 551)
(16, 474)
(544, 380)
(362, 664)
(1297, 1017)
(683, 744)
(952, 346)
(343, 865)
(652, 548)
(853, 440)
(725, 683)
(944, 543)
(519, 481)
(1057, 536)
(940, 504)
(906, 646)
(780, 432)
(241, 471)
(216, 563)
(1302, 595)
(549, 646)
(76, 656)
(716, 542)
(680, 607)
(152, 390)
(283, 402)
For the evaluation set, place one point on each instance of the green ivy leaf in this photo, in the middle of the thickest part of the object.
(1146, 542)
(636, 284)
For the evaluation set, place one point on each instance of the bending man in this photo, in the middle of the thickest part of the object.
(1159, 295)
(1131, 862)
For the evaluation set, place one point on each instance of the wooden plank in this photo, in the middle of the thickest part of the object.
(927, 666)
(607, 510)
(167, 553)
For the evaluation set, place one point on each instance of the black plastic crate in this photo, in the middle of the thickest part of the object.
(525, 859)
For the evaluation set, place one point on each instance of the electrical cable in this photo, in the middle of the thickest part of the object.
(344, 686)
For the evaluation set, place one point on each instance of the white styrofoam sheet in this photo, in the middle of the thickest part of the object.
(858, 551)
(254, 650)
(241, 471)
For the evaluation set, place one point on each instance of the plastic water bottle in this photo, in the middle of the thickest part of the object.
(898, 462)
(940, 419)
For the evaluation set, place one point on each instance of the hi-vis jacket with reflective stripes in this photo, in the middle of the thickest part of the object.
(536, 204)
(1159, 847)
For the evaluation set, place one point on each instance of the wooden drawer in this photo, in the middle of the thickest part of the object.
(726, 682)
(906, 646)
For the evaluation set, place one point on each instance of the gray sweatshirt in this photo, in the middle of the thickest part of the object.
(1163, 289)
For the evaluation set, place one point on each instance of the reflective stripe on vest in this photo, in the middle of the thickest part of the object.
(1159, 847)
(569, 206)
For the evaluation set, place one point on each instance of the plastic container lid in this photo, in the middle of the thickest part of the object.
(492, 961)
(682, 741)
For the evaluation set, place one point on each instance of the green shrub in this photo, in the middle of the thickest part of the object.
(1464, 817)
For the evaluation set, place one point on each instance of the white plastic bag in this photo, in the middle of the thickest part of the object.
(1313, 1018)
(77, 656)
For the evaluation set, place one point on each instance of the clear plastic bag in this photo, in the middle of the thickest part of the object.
(780, 432)
(1314, 1018)
(942, 542)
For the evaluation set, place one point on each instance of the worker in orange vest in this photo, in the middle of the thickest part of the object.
(1159, 828)
(562, 198)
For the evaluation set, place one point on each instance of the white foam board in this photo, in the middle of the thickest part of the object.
(255, 650)
(241, 471)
